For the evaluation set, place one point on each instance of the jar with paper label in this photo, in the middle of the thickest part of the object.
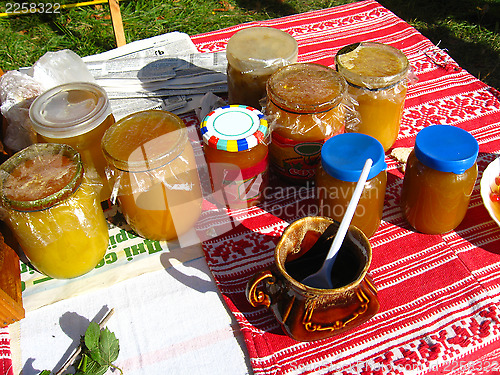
(377, 77)
(440, 175)
(53, 210)
(76, 114)
(153, 174)
(253, 54)
(236, 151)
(304, 108)
(342, 160)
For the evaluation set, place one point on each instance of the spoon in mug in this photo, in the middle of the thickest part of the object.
(322, 278)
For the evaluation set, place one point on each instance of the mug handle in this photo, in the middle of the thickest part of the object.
(257, 297)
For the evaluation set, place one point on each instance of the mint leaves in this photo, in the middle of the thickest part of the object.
(100, 350)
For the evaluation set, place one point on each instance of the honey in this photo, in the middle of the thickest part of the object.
(253, 54)
(234, 143)
(304, 109)
(439, 179)
(153, 174)
(376, 74)
(342, 160)
(53, 210)
(76, 114)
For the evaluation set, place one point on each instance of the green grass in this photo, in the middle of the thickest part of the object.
(468, 29)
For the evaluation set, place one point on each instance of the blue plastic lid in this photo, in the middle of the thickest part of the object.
(344, 155)
(446, 148)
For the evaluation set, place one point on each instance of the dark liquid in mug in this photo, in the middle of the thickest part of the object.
(346, 269)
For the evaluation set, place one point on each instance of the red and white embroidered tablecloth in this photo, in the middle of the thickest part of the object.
(439, 294)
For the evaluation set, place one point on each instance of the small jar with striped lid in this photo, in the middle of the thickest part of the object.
(235, 147)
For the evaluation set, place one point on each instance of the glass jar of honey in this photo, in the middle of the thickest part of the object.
(377, 77)
(439, 178)
(53, 210)
(234, 143)
(153, 174)
(304, 108)
(76, 114)
(342, 160)
(253, 54)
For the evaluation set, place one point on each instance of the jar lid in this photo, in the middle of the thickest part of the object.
(40, 176)
(344, 155)
(306, 88)
(234, 128)
(69, 110)
(261, 50)
(144, 140)
(371, 65)
(446, 148)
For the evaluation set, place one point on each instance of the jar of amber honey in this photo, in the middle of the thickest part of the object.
(53, 210)
(377, 78)
(253, 54)
(439, 178)
(76, 114)
(153, 174)
(304, 109)
(234, 143)
(342, 160)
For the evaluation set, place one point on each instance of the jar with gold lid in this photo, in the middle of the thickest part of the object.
(153, 174)
(236, 151)
(377, 77)
(253, 54)
(76, 114)
(304, 107)
(439, 178)
(53, 210)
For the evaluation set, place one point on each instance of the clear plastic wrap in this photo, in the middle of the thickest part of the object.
(306, 105)
(53, 211)
(17, 92)
(377, 75)
(152, 173)
(76, 114)
(253, 54)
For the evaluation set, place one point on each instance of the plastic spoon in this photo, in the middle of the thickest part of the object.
(322, 278)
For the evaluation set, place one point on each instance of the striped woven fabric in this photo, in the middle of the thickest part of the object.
(439, 294)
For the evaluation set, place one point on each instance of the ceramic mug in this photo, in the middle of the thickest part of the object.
(306, 313)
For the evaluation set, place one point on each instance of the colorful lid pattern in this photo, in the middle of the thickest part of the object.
(234, 128)
(446, 148)
(344, 155)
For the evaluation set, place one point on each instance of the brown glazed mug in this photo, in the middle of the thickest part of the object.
(306, 313)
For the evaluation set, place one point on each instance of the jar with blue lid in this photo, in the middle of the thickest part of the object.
(440, 175)
(342, 159)
(236, 151)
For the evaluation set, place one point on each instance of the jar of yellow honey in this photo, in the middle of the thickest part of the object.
(53, 210)
(377, 77)
(253, 54)
(235, 147)
(153, 174)
(304, 109)
(439, 178)
(76, 114)
(342, 160)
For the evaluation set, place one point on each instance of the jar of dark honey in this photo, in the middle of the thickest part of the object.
(439, 178)
(342, 160)
(236, 151)
(304, 109)
(253, 54)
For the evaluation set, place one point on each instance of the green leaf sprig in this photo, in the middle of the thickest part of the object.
(99, 348)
